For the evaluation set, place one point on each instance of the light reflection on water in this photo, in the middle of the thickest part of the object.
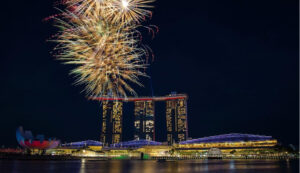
(192, 166)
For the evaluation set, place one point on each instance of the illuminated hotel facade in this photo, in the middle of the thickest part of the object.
(111, 122)
(176, 119)
(144, 120)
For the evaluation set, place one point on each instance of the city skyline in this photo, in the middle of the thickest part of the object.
(130, 86)
(237, 61)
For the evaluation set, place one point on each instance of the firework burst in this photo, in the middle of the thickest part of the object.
(129, 11)
(121, 12)
(100, 38)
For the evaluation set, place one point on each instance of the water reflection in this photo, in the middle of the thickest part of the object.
(193, 166)
(82, 167)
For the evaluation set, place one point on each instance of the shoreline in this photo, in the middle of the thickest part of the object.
(68, 157)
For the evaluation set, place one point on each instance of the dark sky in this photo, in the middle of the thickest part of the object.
(237, 61)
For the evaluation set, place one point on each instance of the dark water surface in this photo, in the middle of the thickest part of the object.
(193, 166)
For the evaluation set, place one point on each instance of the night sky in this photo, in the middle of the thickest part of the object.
(236, 60)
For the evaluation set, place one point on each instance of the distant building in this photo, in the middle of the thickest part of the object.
(232, 145)
(144, 120)
(176, 118)
(229, 142)
(88, 144)
(112, 122)
(28, 141)
(135, 144)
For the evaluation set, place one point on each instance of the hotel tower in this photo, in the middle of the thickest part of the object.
(111, 122)
(176, 119)
(144, 120)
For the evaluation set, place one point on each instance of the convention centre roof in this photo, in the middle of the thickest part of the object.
(82, 144)
(233, 137)
(135, 144)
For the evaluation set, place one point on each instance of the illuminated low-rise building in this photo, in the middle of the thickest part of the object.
(156, 150)
(228, 143)
(82, 148)
(89, 144)
(136, 147)
(135, 144)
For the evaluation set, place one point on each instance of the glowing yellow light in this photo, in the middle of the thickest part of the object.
(125, 3)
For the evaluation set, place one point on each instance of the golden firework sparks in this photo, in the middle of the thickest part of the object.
(123, 12)
(103, 44)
